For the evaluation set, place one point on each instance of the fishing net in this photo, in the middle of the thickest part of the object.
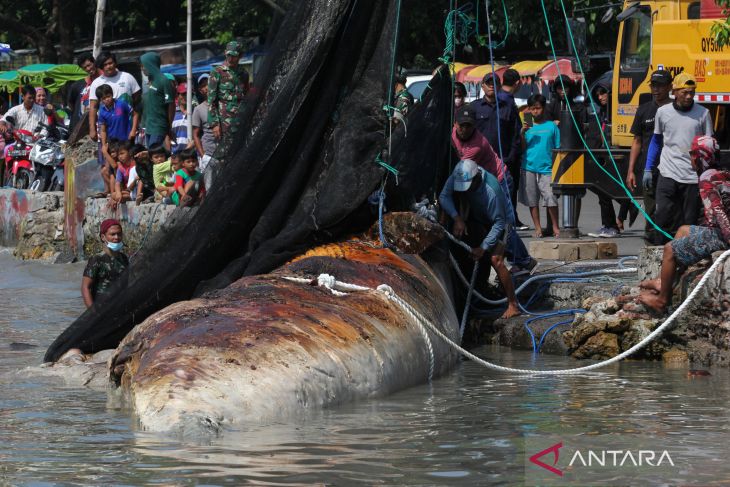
(298, 174)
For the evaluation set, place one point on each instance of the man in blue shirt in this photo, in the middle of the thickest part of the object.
(509, 127)
(481, 206)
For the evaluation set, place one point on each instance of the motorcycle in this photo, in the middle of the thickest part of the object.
(48, 158)
(19, 170)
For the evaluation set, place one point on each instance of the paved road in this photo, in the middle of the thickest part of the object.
(629, 243)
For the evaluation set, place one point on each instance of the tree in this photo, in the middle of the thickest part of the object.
(721, 29)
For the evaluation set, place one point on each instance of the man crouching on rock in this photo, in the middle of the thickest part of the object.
(481, 205)
(693, 243)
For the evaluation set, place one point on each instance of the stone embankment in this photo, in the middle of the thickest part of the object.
(35, 224)
(615, 321)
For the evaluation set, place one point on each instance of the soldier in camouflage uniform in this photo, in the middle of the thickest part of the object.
(227, 85)
(403, 98)
(106, 267)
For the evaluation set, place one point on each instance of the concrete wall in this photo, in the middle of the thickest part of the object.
(32, 222)
(137, 221)
(42, 225)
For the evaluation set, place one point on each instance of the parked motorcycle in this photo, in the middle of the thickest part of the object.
(47, 158)
(19, 170)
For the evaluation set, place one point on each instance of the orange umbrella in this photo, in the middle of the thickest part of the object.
(550, 72)
(476, 74)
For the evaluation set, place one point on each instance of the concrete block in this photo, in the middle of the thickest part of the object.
(571, 250)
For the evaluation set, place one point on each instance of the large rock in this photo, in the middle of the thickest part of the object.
(600, 346)
(702, 331)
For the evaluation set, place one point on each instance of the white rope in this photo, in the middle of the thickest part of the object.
(423, 322)
(331, 283)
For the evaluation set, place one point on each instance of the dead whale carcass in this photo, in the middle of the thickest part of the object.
(267, 347)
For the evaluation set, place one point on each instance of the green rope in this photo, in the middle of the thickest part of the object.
(392, 60)
(618, 181)
(483, 40)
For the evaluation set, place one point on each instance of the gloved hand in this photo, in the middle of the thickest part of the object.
(648, 180)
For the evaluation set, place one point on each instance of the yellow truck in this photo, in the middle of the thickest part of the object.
(661, 34)
(672, 35)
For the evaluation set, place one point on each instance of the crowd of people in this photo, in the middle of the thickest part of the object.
(505, 156)
(144, 149)
(505, 159)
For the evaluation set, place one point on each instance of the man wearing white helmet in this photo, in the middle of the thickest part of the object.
(692, 243)
(480, 204)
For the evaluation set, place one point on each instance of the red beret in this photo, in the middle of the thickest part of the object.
(107, 224)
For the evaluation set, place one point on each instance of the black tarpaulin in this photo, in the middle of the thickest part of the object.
(299, 173)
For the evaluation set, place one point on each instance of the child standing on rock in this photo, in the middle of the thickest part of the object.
(106, 267)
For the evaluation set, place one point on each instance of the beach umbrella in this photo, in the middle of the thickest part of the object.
(9, 80)
(51, 76)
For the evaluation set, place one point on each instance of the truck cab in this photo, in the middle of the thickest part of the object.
(673, 35)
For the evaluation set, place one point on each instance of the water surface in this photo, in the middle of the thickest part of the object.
(464, 429)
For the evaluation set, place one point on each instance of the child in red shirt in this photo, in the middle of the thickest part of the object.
(189, 187)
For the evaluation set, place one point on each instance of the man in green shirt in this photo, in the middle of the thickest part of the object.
(158, 103)
(227, 85)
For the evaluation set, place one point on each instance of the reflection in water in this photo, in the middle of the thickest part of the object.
(465, 429)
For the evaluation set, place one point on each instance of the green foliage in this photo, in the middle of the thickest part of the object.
(721, 29)
(225, 20)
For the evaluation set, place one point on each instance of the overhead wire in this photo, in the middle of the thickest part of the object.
(618, 181)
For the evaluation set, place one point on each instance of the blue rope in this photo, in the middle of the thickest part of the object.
(545, 333)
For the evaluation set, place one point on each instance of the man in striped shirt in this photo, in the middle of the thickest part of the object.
(27, 116)
(181, 139)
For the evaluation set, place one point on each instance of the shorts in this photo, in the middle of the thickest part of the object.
(700, 244)
(537, 188)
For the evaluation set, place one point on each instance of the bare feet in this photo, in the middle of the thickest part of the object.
(653, 301)
(556, 232)
(538, 234)
(511, 311)
(620, 225)
(186, 200)
(651, 285)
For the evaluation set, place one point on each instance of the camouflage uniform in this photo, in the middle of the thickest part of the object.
(104, 269)
(403, 101)
(226, 89)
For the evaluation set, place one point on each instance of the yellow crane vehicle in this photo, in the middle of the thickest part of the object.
(674, 35)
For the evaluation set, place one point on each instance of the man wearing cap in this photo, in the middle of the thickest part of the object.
(508, 144)
(481, 209)
(693, 243)
(227, 86)
(469, 143)
(675, 127)
(474, 147)
(106, 267)
(180, 137)
(643, 129)
(158, 109)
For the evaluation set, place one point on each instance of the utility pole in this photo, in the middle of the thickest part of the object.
(189, 58)
(99, 26)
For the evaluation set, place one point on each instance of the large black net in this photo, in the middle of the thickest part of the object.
(300, 172)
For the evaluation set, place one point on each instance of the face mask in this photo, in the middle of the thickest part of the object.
(458, 101)
(115, 247)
